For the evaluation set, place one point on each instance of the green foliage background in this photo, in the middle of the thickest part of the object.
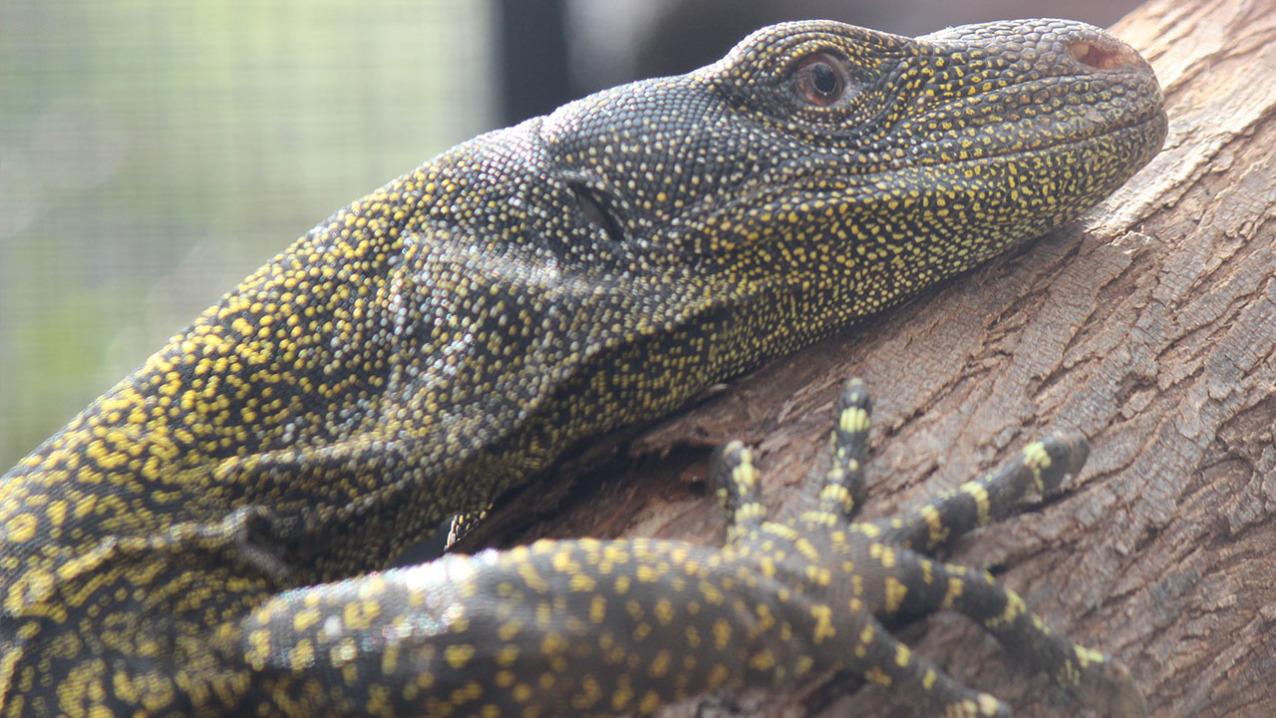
(154, 153)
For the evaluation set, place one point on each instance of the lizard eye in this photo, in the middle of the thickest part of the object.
(821, 79)
(594, 211)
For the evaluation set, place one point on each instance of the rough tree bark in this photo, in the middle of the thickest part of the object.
(1150, 325)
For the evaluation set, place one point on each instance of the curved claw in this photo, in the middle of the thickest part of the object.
(1068, 450)
(1113, 693)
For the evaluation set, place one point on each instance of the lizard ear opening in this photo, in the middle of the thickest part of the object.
(594, 210)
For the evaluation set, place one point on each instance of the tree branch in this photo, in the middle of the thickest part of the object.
(1150, 325)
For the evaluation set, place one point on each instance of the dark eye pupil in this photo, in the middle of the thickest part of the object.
(823, 78)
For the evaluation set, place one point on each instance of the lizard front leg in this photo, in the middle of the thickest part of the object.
(592, 627)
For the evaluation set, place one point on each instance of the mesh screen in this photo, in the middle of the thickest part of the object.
(153, 154)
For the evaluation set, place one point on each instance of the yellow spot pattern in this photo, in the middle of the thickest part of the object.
(228, 511)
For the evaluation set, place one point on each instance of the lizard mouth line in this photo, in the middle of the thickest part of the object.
(1139, 132)
(1085, 135)
(1146, 107)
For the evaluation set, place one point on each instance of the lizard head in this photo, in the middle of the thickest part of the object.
(831, 156)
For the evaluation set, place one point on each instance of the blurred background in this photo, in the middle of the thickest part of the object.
(152, 154)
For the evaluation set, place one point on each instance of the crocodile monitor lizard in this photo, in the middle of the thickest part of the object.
(207, 537)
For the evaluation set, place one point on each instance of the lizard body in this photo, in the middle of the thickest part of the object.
(442, 339)
(606, 627)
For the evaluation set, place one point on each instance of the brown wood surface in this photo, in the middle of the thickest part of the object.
(1150, 325)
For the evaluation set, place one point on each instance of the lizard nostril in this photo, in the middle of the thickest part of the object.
(1102, 56)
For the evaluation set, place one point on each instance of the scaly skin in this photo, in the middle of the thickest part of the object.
(442, 339)
(605, 627)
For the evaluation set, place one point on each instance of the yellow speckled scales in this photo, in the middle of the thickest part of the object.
(612, 627)
(204, 539)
